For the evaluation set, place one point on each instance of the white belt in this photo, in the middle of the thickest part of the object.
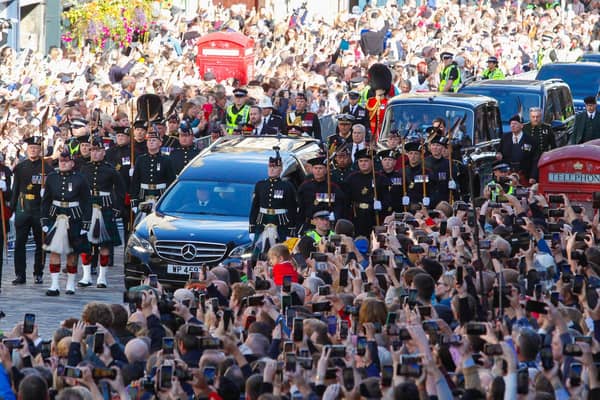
(65, 204)
(273, 211)
(151, 186)
(100, 193)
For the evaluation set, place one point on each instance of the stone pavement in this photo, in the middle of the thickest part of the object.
(15, 301)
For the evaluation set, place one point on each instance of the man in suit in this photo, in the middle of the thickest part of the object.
(273, 121)
(257, 123)
(356, 110)
(587, 123)
(518, 149)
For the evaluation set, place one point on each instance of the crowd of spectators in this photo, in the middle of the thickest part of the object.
(303, 52)
(491, 300)
(495, 302)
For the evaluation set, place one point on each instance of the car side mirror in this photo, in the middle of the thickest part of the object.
(146, 207)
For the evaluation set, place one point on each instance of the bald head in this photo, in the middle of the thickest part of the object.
(136, 350)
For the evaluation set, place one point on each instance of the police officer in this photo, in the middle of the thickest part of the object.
(186, 151)
(359, 188)
(107, 195)
(271, 120)
(152, 173)
(388, 165)
(5, 187)
(418, 185)
(314, 194)
(342, 165)
(26, 202)
(344, 135)
(450, 78)
(309, 121)
(492, 71)
(440, 169)
(322, 225)
(66, 212)
(273, 211)
(237, 113)
(501, 172)
(119, 156)
(356, 110)
(539, 131)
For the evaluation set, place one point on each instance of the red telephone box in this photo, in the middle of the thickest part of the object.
(226, 55)
(573, 170)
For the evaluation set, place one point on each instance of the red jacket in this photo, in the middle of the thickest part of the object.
(283, 269)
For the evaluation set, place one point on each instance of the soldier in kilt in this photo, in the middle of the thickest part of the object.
(65, 216)
(107, 193)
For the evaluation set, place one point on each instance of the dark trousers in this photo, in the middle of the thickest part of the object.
(24, 222)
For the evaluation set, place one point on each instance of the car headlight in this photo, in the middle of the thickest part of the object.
(239, 251)
(139, 245)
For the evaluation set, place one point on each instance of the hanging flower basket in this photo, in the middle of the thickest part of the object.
(101, 23)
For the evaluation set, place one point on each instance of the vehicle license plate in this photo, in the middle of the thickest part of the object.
(183, 269)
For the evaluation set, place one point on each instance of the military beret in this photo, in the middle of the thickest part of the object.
(319, 160)
(412, 146)
(388, 153)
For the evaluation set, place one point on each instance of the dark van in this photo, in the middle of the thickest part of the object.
(553, 96)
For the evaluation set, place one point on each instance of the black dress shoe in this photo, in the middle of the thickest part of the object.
(70, 292)
(84, 284)
(19, 281)
(101, 286)
(52, 292)
(39, 280)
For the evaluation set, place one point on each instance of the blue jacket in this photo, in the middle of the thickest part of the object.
(6, 392)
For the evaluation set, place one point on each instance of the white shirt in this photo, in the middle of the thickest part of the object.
(356, 147)
(259, 127)
(517, 139)
(591, 115)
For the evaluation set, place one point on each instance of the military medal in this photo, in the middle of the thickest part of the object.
(278, 194)
(126, 161)
(70, 186)
(158, 167)
(364, 190)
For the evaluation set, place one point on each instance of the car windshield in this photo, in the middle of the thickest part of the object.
(412, 119)
(511, 102)
(582, 83)
(208, 197)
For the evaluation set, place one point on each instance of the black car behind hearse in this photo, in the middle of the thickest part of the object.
(474, 121)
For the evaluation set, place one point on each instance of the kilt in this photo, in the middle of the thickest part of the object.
(112, 236)
(77, 243)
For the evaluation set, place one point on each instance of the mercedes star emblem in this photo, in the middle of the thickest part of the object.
(188, 252)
